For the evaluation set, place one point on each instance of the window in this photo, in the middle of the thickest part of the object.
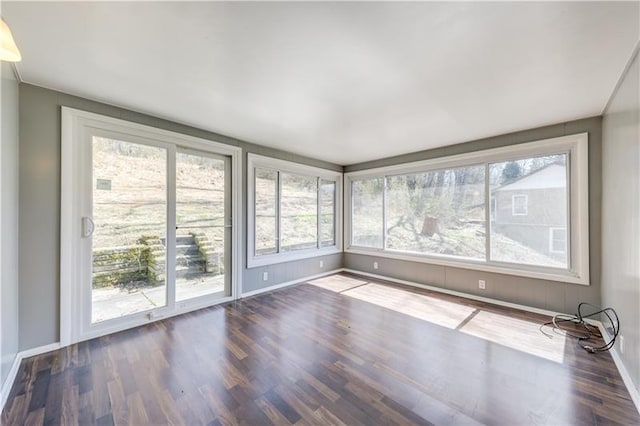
(293, 211)
(298, 212)
(537, 187)
(327, 213)
(266, 220)
(368, 213)
(520, 210)
(519, 205)
(558, 240)
(440, 212)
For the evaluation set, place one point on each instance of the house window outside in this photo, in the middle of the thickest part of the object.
(519, 205)
(292, 211)
(558, 240)
(490, 210)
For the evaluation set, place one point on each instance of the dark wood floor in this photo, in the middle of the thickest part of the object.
(343, 350)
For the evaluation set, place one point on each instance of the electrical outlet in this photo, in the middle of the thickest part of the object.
(265, 276)
(621, 344)
(322, 263)
(481, 284)
(375, 265)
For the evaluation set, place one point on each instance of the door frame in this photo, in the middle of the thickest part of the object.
(76, 129)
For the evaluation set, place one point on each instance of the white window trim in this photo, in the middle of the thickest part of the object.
(513, 205)
(75, 125)
(551, 231)
(576, 146)
(258, 161)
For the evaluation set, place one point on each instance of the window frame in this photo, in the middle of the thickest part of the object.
(576, 148)
(255, 161)
(526, 205)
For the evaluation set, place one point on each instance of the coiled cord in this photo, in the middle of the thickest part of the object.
(589, 331)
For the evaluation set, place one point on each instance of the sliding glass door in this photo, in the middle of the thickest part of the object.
(147, 224)
(140, 193)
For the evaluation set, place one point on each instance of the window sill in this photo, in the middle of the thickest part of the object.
(520, 270)
(271, 259)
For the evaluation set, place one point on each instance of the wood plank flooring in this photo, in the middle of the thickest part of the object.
(339, 350)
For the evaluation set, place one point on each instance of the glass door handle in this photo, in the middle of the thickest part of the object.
(87, 227)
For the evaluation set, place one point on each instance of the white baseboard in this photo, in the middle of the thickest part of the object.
(288, 283)
(8, 383)
(39, 350)
(13, 372)
(456, 293)
(626, 377)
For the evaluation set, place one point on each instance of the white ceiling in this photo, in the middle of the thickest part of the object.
(343, 82)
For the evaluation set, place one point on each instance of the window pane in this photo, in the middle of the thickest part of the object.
(367, 212)
(201, 215)
(298, 212)
(265, 221)
(529, 198)
(130, 214)
(327, 213)
(439, 213)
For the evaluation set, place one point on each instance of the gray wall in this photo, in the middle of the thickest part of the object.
(9, 220)
(621, 214)
(40, 208)
(551, 295)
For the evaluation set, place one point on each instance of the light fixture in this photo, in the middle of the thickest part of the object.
(8, 49)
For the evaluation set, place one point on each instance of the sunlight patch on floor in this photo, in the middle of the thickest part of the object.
(524, 336)
(517, 334)
(431, 309)
(337, 283)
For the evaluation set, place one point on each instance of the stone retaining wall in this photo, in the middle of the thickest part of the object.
(116, 265)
